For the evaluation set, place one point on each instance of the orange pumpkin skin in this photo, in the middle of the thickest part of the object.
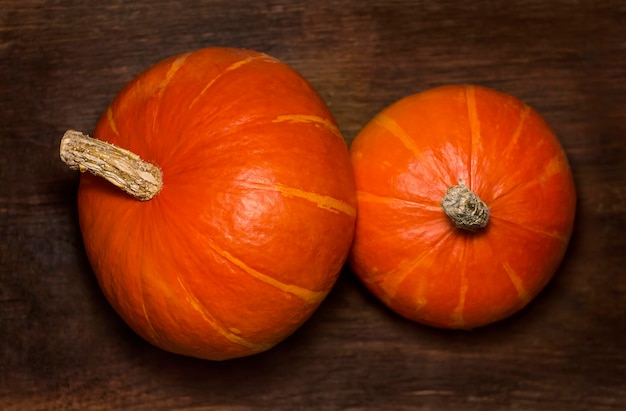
(409, 253)
(256, 214)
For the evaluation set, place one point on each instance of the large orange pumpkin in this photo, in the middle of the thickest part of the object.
(252, 221)
(466, 205)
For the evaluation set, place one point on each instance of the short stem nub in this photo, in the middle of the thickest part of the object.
(465, 208)
(120, 167)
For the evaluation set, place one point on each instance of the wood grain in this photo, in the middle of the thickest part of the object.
(63, 348)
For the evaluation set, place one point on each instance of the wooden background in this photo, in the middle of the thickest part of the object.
(62, 346)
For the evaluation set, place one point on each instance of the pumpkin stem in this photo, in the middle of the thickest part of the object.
(465, 208)
(120, 167)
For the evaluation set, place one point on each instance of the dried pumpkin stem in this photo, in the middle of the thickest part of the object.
(465, 208)
(120, 167)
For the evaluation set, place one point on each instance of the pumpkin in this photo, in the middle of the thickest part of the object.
(238, 203)
(466, 205)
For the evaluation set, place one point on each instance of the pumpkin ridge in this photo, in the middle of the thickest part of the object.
(399, 274)
(142, 281)
(535, 230)
(151, 330)
(309, 296)
(457, 314)
(517, 282)
(232, 67)
(407, 141)
(169, 75)
(552, 168)
(206, 315)
(525, 112)
(176, 65)
(308, 118)
(375, 198)
(111, 121)
(513, 141)
(504, 194)
(475, 136)
(322, 201)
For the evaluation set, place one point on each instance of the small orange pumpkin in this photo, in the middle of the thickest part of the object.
(252, 205)
(466, 205)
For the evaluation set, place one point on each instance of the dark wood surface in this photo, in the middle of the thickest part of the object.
(62, 346)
